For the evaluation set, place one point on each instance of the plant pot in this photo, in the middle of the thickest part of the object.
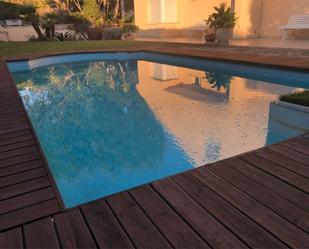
(210, 38)
(94, 33)
(223, 36)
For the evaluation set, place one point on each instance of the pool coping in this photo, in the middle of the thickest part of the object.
(258, 60)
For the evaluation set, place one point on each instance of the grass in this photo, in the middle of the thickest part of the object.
(30, 48)
(299, 98)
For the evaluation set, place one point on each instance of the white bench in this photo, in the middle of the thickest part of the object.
(296, 22)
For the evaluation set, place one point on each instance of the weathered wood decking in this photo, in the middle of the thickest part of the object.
(26, 188)
(258, 199)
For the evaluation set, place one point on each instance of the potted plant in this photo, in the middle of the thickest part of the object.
(223, 20)
(209, 35)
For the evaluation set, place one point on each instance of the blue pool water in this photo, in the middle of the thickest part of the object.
(110, 122)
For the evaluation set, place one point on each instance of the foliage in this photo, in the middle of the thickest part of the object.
(218, 80)
(67, 36)
(222, 18)
(112, 33)
(299, 98)
(37, 3)
(128, 25)
(78, 24)
(91, 11)
(129, 28)
(48, 22)
(33, 38)
(13, 10)
(92, 99)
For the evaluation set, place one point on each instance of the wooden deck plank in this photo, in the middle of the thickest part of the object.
(18, 145)
(18, 152)
(289, 151)
(272, 183)
(11, 121)
(284, 161)
(25, 200)
(166, 219)
(22, 167)
(284, 174)
(282, 207)
(247, 230)
(104, 226)
(268, 219)
(201, 220)
(40, 234)
(22, 177)
(28, 214)
(23, 188)
(15, 134)
(73, 231)
(20, 159)
(15, 129)
(298, 145)
(140, 229)
(14, 140)
(11, 239)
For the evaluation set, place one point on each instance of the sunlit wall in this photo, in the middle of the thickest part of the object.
(257, 18)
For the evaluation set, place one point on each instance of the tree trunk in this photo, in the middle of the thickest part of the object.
(37, 29)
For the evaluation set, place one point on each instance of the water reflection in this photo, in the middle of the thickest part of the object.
(96, 129)
(108, 126)
(212, 115)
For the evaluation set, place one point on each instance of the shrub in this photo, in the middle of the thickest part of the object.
(12, 10)
(91, 11)
(112, 33)
(67, 36)
(33, 38)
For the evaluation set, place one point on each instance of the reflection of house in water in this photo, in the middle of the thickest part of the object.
(259, 86)
(163, 72)
(212, 88)
(207, 120)
(209, 123)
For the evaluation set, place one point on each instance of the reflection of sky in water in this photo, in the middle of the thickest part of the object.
(109, 126)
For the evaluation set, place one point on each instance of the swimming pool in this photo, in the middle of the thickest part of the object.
(108, 122)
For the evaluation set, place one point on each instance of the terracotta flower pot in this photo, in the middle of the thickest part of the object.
(94, 33)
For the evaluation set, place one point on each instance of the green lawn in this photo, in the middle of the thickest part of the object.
(300, 98)
(30, 48)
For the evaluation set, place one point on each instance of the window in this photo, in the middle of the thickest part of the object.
(162, 11)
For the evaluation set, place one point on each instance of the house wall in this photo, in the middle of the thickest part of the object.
(190, 15)
(248, 13)
(257, 18)
(277, 12)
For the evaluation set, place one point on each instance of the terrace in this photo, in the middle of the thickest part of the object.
(149, 144)
(230, 201)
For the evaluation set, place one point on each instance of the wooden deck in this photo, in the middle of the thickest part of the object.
(258, 199)
(27, 191)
